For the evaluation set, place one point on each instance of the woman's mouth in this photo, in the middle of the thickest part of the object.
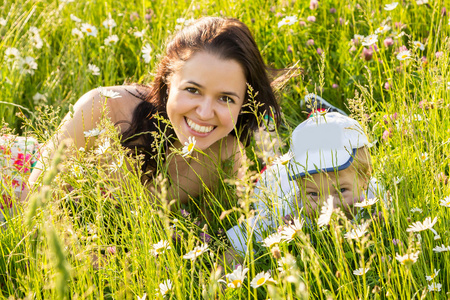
(198, 128)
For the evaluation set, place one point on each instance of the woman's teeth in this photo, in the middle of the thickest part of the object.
(194, 126)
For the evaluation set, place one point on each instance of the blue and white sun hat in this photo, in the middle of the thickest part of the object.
(323, 143)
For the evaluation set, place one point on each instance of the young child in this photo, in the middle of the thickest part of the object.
(329, 157)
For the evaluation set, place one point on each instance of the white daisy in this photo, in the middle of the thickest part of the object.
(406, 54)
(236, 278)
(260, 279)
(75, 18)
(12, 54)
(108, 93)
(288, 21)
(367, 202)
(36, 41)
(419, 45)
(360, 271)
(111, 40)
(326, 212)
(94, 69)
(441, 248)
(423, 156)
(28, 65)
(272, 240)
(144, 296)
(165, 287)
(445, 202)
(432, 276)
(358, 232)
(188, 146)
(139, 34)
(370, 40)
(102, 148)
(358, 38)
(284, 159)
(89, 29)
(109, 23)
(160, 247)
(77, 32)
(93, 132)
(196, 252)
(416, 210)
(146, 50)
(418, 226)
(2, 22)
(38, 97)
(407, 259)
(180, 20)
(390, 6)
(420, 2)
(290, 231)
(435, 287)
(383, 29)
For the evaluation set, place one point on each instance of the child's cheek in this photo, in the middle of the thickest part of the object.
(310, 208)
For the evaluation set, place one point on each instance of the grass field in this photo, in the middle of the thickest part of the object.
(387, 65)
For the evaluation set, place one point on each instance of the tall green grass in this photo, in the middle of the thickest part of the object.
(89, 235)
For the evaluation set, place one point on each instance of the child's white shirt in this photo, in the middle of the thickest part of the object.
(275, 196)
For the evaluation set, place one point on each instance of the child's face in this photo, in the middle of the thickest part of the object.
(346, 188)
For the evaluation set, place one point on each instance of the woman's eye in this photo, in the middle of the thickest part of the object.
(192, 90)
(227, 99)
(313, 194)
(343, 190)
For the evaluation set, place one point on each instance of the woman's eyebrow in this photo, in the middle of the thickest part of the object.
(224, 93)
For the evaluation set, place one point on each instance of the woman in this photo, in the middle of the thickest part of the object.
(201, 88)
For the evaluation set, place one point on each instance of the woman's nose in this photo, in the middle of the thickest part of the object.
(205, 108)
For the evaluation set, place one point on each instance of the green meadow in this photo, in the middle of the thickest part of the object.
(87, 235)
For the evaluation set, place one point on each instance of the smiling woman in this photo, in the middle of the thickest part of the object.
(201, 88)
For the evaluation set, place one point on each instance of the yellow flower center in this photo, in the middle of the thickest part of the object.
(190, 147)
(261, 281)
(236, 283)
(432, 276)
(447, 203)
(404, 56)
(89, 30)
(198, 251)
(287, 21)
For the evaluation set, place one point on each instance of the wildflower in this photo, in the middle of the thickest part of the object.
(445, 202)
(180, 20)
(367, 202)
(416, 210)
(236, 278)
(2, 22)
(144, 296)
(165, 287)
(112, 39)
(109, 23)
(332, 10)
(93, 132)
(319, 51)
(288, 21)
(108, 93)
(116, 165)
(370, 40)
(388, 42)
(38, 97)
(420, 2)
(28, 65)
(310, 42)
(432, 276)
(290, 232)
(418, 226)
(407, 259)
(360, 271)
(89, 29)
(94, 69)
(441, 248)
(146, 50)
(387, 85)
(334, 86)
(188, 146)
(160, 247)
(260, 279)
(36, 40)
(396, 242)
(76, 32)
(204, 237)
(357, 39)
(139, 34)
(196, 252)
(383, 29)
(283, 159)
(273, 239)
(313, 4)
(326, 212)
(286, 263)
(358, 232)
(404, 55)
(419, 45)
(438, 54)
(103, 148)
(423, 156)
(12, 54)
(435, 287)
(311, 19)
(75, 18)
(390, 6)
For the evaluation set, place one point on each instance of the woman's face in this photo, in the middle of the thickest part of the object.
(205, 97)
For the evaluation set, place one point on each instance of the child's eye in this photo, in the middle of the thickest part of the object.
(313, 194)
(343, 190)
(192, 90)
(226, 99)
